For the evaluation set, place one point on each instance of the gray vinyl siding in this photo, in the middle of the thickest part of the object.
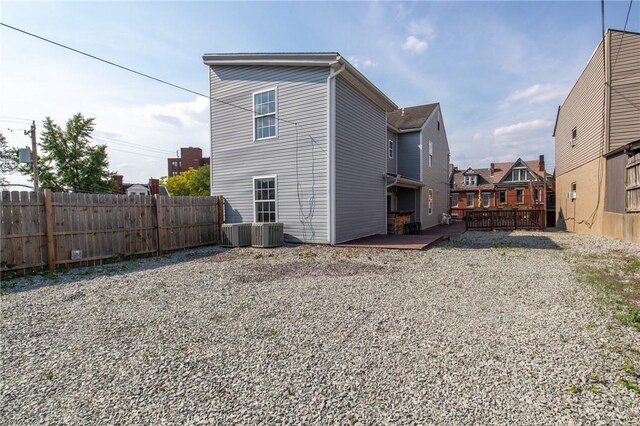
(360, 152)
(409, 155)
(437, 176)
(624, 116)
(392, 163)
(299, 161)
(583, 110)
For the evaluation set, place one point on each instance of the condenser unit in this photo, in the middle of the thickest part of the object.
(571, 195)
(267, 234)
(236, 234)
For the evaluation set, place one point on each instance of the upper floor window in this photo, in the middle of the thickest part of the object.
(503, 197)
(486, 199)
(264, 114)
(574, 136)
(471, 180)
(454, 200)
(390, 148)
(519, 174)
(520, 196)
(470, 198)
(430, 154)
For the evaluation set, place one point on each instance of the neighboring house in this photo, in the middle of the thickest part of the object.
(597, 141)
(189, 158)
(151, 188)
(302, 139)
(518, 184)
(417, 164)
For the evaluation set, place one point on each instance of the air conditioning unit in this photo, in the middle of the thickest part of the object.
(236, 234)
(267, 234)
(571, 195)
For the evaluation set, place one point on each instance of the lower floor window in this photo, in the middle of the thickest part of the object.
(470, 197)
(264, 190)
(520, 196)
(454, 200)
(503, 197)
(430, 201)
(486, 199)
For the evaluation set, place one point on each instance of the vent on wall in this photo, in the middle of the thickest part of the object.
(267, 234)
(236, 234)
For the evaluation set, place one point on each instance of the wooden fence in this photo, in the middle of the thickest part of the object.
(485, 220)
(51, 230)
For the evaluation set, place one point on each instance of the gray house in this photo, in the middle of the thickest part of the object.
(302, 139)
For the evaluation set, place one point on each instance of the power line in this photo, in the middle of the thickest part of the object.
(626, 21)
(132, 145)
(138, 72)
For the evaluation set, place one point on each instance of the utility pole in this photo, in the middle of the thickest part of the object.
(34, 156)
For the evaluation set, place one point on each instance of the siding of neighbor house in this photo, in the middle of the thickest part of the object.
(437, 176)
(392, 163)
(361, 152)
(581, 110)
(625, 89)
(299, 161)
(409, 155)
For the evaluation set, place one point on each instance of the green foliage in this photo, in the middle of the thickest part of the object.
(66, 161)
(8, 161)
(192, 182)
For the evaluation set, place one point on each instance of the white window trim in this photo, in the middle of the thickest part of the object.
(473, 200)
(430, 154)
(253, 193)
(473, 180)
(457, 199)
(505, 197)
(254, 115)
(517, 202)
(391, 147)
(488, 194)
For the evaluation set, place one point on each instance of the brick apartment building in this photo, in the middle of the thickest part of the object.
(189, 158)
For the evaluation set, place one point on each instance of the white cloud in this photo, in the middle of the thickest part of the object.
(522, 127)
(421, 27)
(414, 44)
(538, 93)
(367, 63)
(180, 113)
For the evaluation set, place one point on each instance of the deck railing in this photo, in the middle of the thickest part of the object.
(485, 220)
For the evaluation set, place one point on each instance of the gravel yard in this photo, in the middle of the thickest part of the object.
(491, 328)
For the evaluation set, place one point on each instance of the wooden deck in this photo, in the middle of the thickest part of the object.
(428, 238)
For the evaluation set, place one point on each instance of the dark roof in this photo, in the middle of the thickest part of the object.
(485, 181)
(414, 117)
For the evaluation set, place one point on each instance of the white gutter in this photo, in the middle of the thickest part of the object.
(331, 157)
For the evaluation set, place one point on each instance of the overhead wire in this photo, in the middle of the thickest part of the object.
(626, 21)
(221, 101)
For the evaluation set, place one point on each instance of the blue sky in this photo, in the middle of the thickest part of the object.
(499, 69)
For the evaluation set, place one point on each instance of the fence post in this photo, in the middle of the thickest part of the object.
(50, 221)
(220, 208)
(158, 211)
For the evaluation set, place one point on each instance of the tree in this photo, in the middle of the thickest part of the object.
(192, 182)
(66, 161)
(8, 161)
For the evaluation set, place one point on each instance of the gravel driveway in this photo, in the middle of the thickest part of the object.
(491, 328)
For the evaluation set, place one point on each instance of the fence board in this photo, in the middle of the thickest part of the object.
(505, 219)
(39, 229)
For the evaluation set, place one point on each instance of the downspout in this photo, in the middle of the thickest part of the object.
(331, 157)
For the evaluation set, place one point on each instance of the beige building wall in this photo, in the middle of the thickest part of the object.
(585, 213)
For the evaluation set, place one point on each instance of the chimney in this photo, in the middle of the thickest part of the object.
(154, 186)
(541, 163)
(493, 168)
(403, 111)
(118, 179)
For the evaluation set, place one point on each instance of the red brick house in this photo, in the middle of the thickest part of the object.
(189, 158)
(519, 184)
